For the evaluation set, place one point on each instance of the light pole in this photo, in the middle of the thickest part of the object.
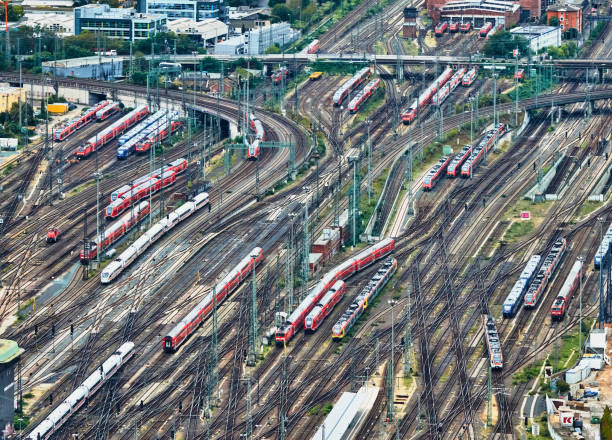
(581, 259)
(392, 373)
(602, 264)
(368, 123)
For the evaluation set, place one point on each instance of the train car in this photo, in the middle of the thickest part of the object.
(158, 132)
(441, 28)
(142, 126)
(456, 79)
(468, 78)
(75, 124)
(453, 26)
(604, 249)
(496, 357)
(192, 319)
(361, 301)
(494, 30)
(315, 76)
(254, 147)
(514, 300)
(280, 74)
(519, 74)
(561, 303)
(56, 418)
(434, 174)
(454, 166)
(465, 27)
(115, 268)
(341, 272)
(107, 111)
(344, 90)
(313, 47)
(441, 95)
(111, 132)
(545, 274)
(323, 307)
(425, 97)
(364, 95)
(484, 31)
(178, 165)
(115, 231)
(135, 194)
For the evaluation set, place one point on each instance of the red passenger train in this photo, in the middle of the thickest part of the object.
(454, 26)
(75, 124)
(484, 31)
(323, 307)
(341, 272)
(465, 27)
(425, 97)
(434, 174)
(107, 111)
(191, 321)
(441, 28)
(561, 303)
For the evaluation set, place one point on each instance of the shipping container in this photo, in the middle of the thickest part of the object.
(58, 108)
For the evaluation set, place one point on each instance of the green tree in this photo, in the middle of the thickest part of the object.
(502, 43)
(15, 12)
(282, 12)
(606, 425)
(553, 21)
(274, 49)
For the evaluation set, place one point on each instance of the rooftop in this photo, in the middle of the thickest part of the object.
(9, 351)
(534, 30)
(208, 28)
(491, 5)
(83, 61)
(563, 8)
(103, 10)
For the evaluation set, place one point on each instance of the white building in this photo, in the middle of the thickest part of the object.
(262, 38)
(231, 46)
(62, 24)
(29, 4)
(208, 30)
(540, 37)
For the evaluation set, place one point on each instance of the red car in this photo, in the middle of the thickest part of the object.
(53, 235)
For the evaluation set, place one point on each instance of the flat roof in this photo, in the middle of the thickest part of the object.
(83, 61)
(9, 351)
(534, 30)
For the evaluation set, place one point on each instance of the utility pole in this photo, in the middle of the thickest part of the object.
(306, 250)
(581, 259)
(214, 353)
(516, 89)
(369, 122)
(98, 177)
(489, 399)
(253, 322)
(289, 269)
(407, 339)
(391, 373)
(410, 195)
(249, 416)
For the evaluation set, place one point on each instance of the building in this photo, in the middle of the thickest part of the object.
(569, 16)
(478, 12)
(10, 353)
(116, 22)
(262, 38)
(539, 37)
(409, 28)
(197, 10)
(9, 96)
(244, 19)
(94, 67)
(207, 31)
(231, 46)
(47, 4)
(61, 24)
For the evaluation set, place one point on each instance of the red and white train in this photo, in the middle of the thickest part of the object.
(425, 97)
(340, 272)
(75, 124)
(112, 131)
(453, 26)
(323, 307)
(254, 148)
(465, 27)
(142, 243)
(344, 90)
(191, 321)
(454, 166)
(115, 231)
(143, 190)
(107, 111)
(159, 132)
(363, 96)
(561, 303)
(280, 74)
(484, 31)
(449, 87)
(177, 166)
(494, 30)
(485, 144)
(313, 47)
(545, 273)
(520, 74)
(468, 78)
(434, 174)
(441, 28)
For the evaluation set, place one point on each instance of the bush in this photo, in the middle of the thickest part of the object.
(562, 386)
(605, 428)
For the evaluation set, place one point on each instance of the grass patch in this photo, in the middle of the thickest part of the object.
(527, 373)
(517, 230)
(82, 187)
(326, 409)
(565, 351)
(375, 101)
(367, 209)
(410, 47)
(7, 170)
(587, 207)
(314, 411)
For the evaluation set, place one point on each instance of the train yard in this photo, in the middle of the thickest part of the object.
(171, 287)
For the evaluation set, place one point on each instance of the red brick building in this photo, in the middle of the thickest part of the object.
(478, 12)
(569, 16)
(409, 29)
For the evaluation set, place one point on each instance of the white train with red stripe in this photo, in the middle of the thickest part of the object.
(158, 132)
(341, 272)
(323, 307)
(545, 273)
(485, 144)
(107, 111)
(115, 231)
(114, 269)
(254, 147)
(112, 131)
(496, 357)
(192, 319)
(425, 97)
(350, 85)
(435, 173)
(313, 47)
(484, 30)
(75, 124)
(56, 418)
(468, 78)
(494, 30)
(454, 166)
(364, 95)
(448, 88)
(561, 303)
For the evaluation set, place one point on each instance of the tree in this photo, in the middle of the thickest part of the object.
(605, 426)
(282, 12)
(502, 43)
(553, 21)
(15, 13)
(274, 49)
